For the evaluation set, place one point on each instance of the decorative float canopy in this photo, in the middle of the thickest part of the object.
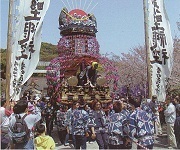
(78, 48)
(77, 22)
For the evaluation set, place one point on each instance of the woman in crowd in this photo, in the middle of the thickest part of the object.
(118, 128)
(75, 105)
(61, 116)
(79, 121)
(89, 111)
(21, 122)
(141, 126)
(99, 124)
(49, 117)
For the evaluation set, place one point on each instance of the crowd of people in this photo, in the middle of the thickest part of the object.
(29, 122)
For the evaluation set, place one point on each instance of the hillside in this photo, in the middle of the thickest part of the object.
(48, 52)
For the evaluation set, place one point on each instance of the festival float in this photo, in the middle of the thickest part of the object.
(77, 49)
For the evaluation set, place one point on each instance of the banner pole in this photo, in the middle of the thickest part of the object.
(9, 51)
(147, 49)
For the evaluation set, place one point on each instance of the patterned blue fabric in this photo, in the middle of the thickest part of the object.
(148, 108)
(89, 111)
(141, 127)
(68, 120)
(79, 120)
(61, 116)
(111, 111)
(154, 105)
(118, 128)
(95, 121)
(126, 113)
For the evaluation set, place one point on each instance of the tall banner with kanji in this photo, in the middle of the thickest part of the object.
(160, 47)
(26, 42)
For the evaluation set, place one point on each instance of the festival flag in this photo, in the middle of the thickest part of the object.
(160, 47)
(26, 43)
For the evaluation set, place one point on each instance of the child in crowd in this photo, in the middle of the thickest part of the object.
(43, 141)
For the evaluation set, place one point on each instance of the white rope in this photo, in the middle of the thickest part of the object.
(80, 4)
(64, 4)
(69, 5)
(88, 5)
(76, 3)
(84, 4)
(140, 145)
(93, 7)
(72, 3)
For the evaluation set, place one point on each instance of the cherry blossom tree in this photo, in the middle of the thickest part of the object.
(132, 69)
(174, 81)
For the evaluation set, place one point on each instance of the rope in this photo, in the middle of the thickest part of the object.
(64, 4)
(93, 7)
(69, 4)
(88, 5)
(80, 4)
(72, 4)
(138, 144)
(84, 5)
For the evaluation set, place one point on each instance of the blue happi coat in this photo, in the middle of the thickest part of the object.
(61, 116)
(99, 124)
(126, 113)
(68, 120)
(118, 128)
(141, 127)
(148, 108)
(111, 112)
(79, 121)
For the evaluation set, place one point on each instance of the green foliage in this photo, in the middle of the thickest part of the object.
(48, 52)
(3, 62)
(175, 91)
(41, 67)
(3, 56)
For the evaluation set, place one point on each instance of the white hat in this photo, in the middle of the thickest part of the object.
(37, 98)
(148, 100)
(47, 97)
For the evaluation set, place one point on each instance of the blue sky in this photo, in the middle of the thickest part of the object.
(120, 22)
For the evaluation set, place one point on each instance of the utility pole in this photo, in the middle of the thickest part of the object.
(9, 51)
(147, 49)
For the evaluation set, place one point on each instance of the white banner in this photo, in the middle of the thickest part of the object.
(161, 47)
(26, 43)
